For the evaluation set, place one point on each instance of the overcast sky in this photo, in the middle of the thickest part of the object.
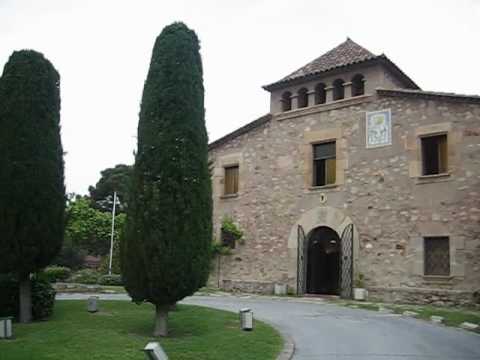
(102, 50)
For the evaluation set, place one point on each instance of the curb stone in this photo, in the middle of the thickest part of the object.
(410, 314)
(288, 344)
(436, 319)
(469, 326)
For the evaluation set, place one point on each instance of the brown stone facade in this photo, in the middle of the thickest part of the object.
(381, 191)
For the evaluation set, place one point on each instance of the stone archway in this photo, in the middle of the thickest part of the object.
(322, 216)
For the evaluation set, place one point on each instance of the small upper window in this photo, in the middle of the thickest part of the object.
(324, 164)
(434, 154)
(338, 90)
(231, 180)
(320, 94)
(358, 85)
(437, 255)
(286, 101)
(302, 98)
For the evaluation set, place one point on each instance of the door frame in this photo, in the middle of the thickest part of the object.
(320, 216)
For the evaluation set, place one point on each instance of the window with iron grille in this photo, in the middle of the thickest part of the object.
(324, 163)
(437, 255)
(434, 154)
(231, 180)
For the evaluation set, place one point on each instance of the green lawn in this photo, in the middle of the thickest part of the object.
(122, 328)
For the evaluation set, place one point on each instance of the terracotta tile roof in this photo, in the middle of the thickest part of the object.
(243, 130)
(348, 52)
(345, 54)
(444, 96)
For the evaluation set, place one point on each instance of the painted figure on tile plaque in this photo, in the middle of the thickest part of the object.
(379, 128)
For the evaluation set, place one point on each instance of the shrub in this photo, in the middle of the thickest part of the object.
(56, 273)
(70, 256)
(43, 297)
(113, 279)
(85, 276)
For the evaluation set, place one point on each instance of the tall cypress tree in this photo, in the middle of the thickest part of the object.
(165, 255)
(32, 191)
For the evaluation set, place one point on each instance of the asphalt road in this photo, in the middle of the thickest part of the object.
(326, 331)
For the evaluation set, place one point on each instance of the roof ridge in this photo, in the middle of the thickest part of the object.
(347, 52)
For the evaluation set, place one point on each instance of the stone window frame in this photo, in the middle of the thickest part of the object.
(221, 163)
(425, 265)
(414, 148)
(311, 138)
(456, 247)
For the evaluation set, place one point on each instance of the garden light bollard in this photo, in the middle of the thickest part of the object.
(246, 319)
(6, 328)
(154, 351)
(92, 304)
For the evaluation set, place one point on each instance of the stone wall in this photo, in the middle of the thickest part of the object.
(422, 296)
(391, 206)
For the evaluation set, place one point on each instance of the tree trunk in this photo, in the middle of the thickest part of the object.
(25, 300)
(161, 320)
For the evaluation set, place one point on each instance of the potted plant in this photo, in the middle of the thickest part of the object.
(359, 291)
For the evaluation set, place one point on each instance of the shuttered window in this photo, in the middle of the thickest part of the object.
(324, 164)
(434, 155)
(231, 180)
(437, 256)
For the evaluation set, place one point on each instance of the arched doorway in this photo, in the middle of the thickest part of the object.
(323, 261)
(298, 244)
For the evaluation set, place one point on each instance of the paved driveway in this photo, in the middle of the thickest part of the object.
(325, 331)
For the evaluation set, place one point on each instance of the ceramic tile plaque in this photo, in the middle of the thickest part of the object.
(379, 128)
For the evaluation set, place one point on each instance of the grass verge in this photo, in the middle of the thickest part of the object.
(121, 329)
(452, 316)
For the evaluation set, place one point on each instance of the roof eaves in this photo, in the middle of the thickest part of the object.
(240, 131)
(279, 84)
(452, 97)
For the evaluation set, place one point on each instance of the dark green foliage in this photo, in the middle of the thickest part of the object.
(56, 273)
(113, 279)
(112, 179)
(85, 276)
(32, 192)
(220, 249)
(229, 226)
(43, 297)
(167, 248)
(70, 256)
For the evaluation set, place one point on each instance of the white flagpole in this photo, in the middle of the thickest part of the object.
(111, 238)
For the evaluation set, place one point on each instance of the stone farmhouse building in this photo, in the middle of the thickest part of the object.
(356, 175)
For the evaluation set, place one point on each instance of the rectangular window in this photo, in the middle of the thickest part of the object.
(231, 180)
(434, 154)
(324, 164)
(437, 256)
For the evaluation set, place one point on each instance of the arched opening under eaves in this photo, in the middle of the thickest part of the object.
(302, 98)
(358, 85)
(338, 90)
(320, 94)
(286, 101)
